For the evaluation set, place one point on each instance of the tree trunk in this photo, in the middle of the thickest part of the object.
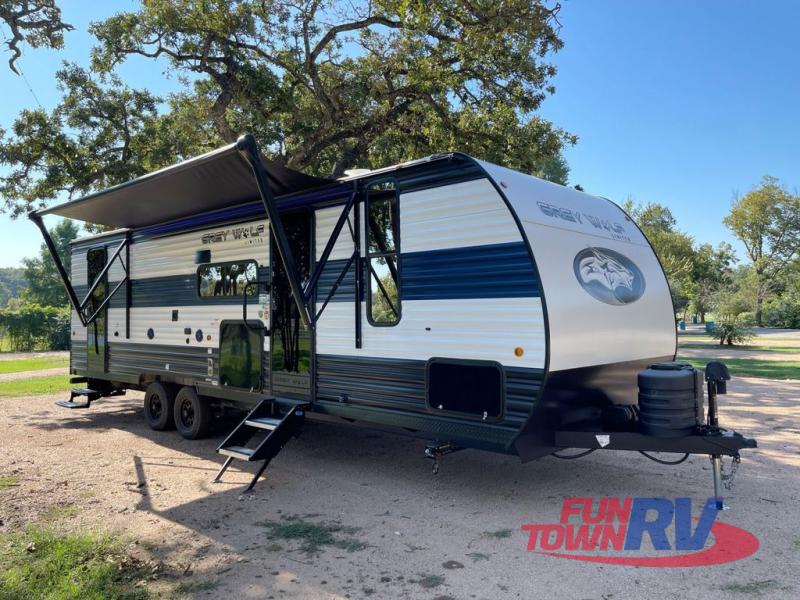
(759, 304)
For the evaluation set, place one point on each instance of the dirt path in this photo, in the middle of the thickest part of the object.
(426, 536)
(31, 374)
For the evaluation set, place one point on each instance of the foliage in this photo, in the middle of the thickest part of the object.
(783, 311)
(44, 283)
(712, 270)
(43, 563)
(323, 86)
(731, 331)
(673, 247)
(32, 327)
(12, 283)
(36, 22)
(101, 134)
(767, 221)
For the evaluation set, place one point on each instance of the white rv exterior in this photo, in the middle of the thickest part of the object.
(489, 264)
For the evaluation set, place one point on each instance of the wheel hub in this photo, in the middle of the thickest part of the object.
(156, 406)
(187, 413)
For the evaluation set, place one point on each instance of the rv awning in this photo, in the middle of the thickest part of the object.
(212, 181)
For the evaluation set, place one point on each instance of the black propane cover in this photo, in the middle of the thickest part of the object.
(670, 399)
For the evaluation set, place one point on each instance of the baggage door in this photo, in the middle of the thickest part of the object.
(96, 360)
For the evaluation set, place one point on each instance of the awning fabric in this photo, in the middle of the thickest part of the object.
(212, 181)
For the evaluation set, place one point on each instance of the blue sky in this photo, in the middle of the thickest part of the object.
(682, 103)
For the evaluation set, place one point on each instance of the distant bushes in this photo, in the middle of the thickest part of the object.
(33, 327)
(783, 311)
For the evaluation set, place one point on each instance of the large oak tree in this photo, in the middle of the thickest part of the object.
(324, 86)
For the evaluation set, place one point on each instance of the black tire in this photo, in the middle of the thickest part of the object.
(193, 414)
(159, 404)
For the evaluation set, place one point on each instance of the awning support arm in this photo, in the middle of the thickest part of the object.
(62, 272)
(80, 306)
(247, 147)
(99, 277)
(308, 293)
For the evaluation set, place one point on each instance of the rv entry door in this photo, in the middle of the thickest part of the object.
(290, 355)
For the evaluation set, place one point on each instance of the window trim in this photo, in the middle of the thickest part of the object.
(221, 264)
(368, 256)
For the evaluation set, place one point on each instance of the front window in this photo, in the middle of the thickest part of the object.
(227, 279)
(383, 241)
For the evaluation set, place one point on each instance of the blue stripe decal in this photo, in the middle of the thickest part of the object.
(346, 292)
(489, 271)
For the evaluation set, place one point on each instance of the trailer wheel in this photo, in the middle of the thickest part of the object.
(193, 414)
(159, 404)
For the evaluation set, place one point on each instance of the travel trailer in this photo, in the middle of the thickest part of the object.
(445, 298)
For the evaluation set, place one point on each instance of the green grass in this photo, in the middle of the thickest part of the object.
(34, 386)
(313, 537)
(715, 346)
(750, 367)
(60, 512)
(8, 481)
(430, 581)
(756, 587)
(499, 534)
(43, 563)
(33, 364)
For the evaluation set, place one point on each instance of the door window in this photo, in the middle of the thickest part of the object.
(383, 265)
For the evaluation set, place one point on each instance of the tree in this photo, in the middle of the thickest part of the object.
(711, 271)
(101, 134)
(767, 221)
(44, 284)
(674, 248)
(323, 87)
(35, 22)
(12, 283)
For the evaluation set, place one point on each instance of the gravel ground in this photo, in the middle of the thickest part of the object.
(455, 535)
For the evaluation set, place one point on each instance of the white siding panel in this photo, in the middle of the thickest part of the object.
(167, 331)
(471, 213)
(116, 272)
(174, 255)
(77, 331)
(325, 222)
(79, 275)
(483, 329)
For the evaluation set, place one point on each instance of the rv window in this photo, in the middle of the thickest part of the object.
(383, 240)
(226, 279)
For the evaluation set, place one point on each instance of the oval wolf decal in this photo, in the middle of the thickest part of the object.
(608, 276)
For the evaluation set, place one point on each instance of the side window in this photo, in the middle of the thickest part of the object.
(226, 279)
(383, 243)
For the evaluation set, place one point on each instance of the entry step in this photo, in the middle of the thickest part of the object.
(89, 394)
(239, 452)
(263, 423)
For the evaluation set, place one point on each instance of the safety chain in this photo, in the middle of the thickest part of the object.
(727, 478)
